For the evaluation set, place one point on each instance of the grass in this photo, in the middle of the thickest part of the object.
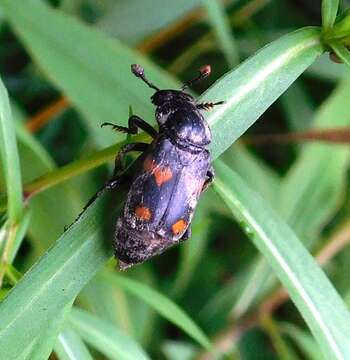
(216, 295)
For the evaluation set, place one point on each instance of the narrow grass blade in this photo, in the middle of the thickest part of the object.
(311, 291)
(69, 346)
(10, 159)
(304, 341)
(164, 306)
(105, 337)
(251, 88)
(52, 283)
(329, 11)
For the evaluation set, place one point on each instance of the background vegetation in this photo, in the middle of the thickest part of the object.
(245, 285)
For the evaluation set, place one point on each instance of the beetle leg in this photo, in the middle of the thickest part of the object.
(119, 163)
(134, 123)
(109, 185)
(210, 178)
(187, 234)
(208, 105)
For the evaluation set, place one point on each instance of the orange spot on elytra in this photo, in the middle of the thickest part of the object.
(162, 175)
(143, 213)
(179, 226)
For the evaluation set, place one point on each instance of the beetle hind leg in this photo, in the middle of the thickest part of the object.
(111, 184)
(187, 234)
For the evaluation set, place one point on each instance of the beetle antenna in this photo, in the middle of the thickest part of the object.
(139, 72)
(204, 72)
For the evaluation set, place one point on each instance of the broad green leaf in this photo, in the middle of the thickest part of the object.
(52, 283)
(222, 29)
(251, 88)
(309, 288)
(329, 13)
(164, 306)
(156, 14)
(10, 159)
(341, 51)
(46, 339)
(96, 76)
(105, 337)
(69, 346)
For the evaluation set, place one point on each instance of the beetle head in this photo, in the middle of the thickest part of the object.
(161, 97)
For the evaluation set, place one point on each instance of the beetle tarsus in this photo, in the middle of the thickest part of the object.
(208, 105)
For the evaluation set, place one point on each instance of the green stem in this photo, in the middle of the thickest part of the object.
(71, 170)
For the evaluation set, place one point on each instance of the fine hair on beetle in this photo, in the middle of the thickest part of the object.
(167, 178)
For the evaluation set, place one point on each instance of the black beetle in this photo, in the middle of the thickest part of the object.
(169, 177)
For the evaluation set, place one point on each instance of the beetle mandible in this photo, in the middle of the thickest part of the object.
(171, 173)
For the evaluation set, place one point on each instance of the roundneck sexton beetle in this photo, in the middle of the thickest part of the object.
(172, 172)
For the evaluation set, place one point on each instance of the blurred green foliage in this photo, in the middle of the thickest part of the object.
(64, 68)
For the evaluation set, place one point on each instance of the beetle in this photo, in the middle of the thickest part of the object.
(169, 176)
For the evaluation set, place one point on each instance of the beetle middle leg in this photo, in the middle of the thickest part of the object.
(134, 123)
(119, 163)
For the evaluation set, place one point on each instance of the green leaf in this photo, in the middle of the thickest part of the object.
(325, 69)
(69, 346)
(318, 175)
(342, 28)
(46, 339)
(105, 337)
(176, 350)
(304, 341)
(10, 159)
(251, 88)
(329, 13)
(309, 288)
(102, 63)
(164, 306)
(299, 117)
(21, 231)
(221, 26)
(341, 51)
(155, 15)
(52, 283)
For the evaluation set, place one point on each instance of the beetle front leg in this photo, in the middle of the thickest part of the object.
(134, 123)
(210, 178)
(119, 163)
